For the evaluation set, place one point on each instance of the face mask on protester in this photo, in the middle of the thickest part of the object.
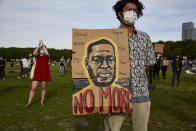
(41, 52)
(129, 17)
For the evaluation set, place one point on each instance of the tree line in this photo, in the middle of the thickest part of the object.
(171, 49)
(182, 48)
(18, 53)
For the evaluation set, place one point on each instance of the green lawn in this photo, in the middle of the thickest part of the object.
(172, 109)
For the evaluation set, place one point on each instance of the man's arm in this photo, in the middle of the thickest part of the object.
(150, 55)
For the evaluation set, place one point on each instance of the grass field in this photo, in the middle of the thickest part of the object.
(172, 109)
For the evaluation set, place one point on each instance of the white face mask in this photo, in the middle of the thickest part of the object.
(130, 17)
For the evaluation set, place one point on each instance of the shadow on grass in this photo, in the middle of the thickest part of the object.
(49, 94)
(93, 122)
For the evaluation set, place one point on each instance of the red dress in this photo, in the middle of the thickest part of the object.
(42, 72)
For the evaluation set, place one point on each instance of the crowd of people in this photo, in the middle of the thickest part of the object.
(161, 66)
(153, 73)
(142, 58)
(26, 65)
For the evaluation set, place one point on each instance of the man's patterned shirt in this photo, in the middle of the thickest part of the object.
(141, 54)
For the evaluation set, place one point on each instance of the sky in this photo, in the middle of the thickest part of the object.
(24, 22)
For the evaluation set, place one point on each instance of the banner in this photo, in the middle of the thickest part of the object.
(159, 48)
(184, 57)
(165, 63)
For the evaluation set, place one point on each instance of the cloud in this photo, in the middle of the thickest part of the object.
(25, 21)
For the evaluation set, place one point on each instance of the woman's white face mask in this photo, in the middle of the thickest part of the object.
(42, 52)
(130, 17)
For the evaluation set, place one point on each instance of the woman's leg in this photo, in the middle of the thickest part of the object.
(43, 92)
(32, 92)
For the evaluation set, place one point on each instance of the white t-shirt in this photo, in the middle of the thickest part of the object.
(24, 63)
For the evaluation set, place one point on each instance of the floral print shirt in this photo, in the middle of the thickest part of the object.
(141, 54)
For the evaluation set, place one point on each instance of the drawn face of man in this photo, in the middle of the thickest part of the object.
(102, 65)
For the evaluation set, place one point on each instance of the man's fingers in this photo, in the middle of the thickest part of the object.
(104, 113)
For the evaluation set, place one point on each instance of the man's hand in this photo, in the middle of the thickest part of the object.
(106, 118)
(104, 113)
(146, 69)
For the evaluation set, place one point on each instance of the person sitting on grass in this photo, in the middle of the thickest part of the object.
(41, 72)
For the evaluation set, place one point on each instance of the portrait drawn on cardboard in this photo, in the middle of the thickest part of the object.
(100, 63)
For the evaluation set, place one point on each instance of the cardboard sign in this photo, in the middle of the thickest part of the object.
(158, 48)
(165, 62)
(100, 71)
(159, 55)
(184, 57)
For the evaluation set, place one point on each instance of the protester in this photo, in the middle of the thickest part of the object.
(194, 66)
(30, 64)
(190, 63)
(157, 67)
(12, 63)
(62, 66)
(185, 64)
(177, 67)
(69, 63)
(41, 73)
(127, 12)
(17, 62)
(24, 69)
(65, 62)
(4, 64)
(2, 68)
(164, 65)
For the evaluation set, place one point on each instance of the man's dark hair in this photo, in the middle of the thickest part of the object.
(102, 41)
(118, 7)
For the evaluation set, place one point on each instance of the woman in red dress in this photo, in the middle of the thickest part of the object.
(41, 73)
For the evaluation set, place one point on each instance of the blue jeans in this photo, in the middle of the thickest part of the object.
(62, 70)
(24, 70)
(174, 77)
(21, 71)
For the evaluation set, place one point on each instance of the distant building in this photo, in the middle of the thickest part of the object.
(188, 31)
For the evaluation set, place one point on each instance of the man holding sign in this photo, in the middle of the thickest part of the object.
(141, 56)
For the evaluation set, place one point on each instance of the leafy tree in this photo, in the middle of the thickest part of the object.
(18, 53)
